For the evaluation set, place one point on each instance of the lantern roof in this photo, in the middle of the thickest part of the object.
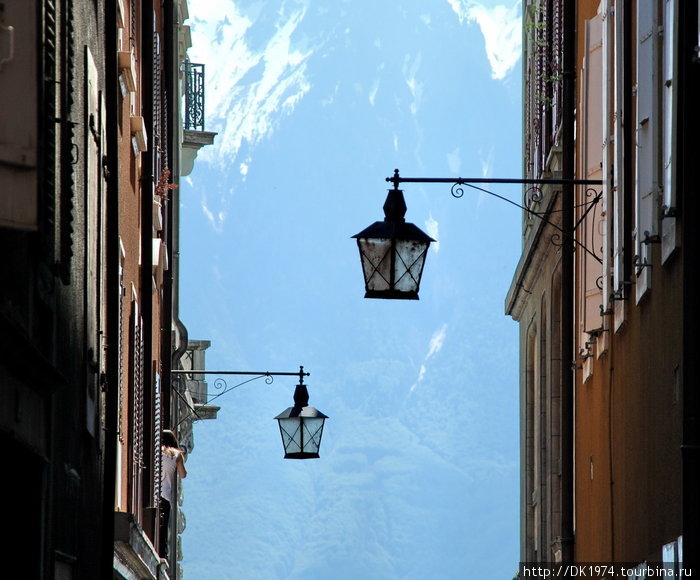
(394, 225)
(303, 412)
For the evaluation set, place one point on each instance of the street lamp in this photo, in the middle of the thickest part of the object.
(301, 426)
(393, 251)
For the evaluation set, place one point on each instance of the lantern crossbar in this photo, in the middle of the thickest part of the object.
(249, 373)
(396, 180)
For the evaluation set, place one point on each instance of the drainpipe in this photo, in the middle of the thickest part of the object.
(111, 167)
(567, 283)
(169, 357)
(169, 227)
(179, 331)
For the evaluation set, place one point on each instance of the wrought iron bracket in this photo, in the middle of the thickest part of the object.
(222, 386)
(619, 294)
(457, 191)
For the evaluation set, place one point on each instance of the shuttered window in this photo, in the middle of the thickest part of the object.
(93, 276)
(669, 98)
(137, 410)
(646, 145)
(122, 328)
(157, 426)
(591, 228)
(68, 143)
(607, 152)
(19, 130)
(618, 201)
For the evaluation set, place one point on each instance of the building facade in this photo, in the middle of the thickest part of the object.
(603, 292)
(91, 150)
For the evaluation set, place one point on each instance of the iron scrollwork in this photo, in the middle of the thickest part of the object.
(533, 195)
(222, 386)
(194, 96)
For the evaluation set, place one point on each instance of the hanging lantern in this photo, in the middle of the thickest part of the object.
(301, 426)
(393, 253)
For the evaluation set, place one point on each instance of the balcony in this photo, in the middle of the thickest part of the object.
(194, 96)
(194, 135)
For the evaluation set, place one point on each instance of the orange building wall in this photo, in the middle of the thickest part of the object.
(629, 420)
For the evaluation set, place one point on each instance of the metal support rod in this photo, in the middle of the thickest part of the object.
(472, 181)
(566, 506)
(225, 388)
(300, 373)
(397, 179)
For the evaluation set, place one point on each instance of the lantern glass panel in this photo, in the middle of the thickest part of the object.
(408, 265)
(376, 262)
(312, 429)
(291, 434)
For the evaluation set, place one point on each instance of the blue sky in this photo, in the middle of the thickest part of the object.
(315, 103)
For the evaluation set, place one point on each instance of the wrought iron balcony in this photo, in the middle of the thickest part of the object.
(194, 136)
(194, 96)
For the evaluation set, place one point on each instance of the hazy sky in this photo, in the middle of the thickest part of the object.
(315, 103)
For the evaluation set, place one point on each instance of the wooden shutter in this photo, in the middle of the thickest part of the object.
(646, 150)
(67, 142)
(607, 104)
(618, 209)
(19, 98)
(669, 99)
(590, 233)
(92, 122)
(157, 426)
(137, 411)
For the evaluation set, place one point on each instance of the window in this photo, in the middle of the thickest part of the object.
(18, 123)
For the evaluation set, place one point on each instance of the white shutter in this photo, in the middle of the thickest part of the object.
(608, 149)
(618, 208)
(646, 167)
(669, 559)
(589, 231)
(670, 60)
(92, 123)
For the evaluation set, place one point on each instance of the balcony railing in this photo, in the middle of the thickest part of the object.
(194, 96)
